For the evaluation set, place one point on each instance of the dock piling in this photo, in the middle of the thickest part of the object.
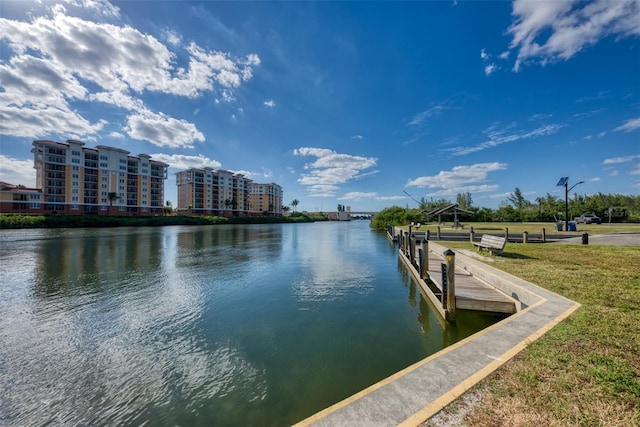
(450, 271)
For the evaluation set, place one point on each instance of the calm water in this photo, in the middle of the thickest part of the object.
(208, 325)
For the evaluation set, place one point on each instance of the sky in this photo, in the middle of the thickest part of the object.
(363, 104)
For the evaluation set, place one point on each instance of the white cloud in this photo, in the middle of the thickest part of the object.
(331, 169)
(484, 55)
(489, 69)
(618, 160)
(162, 130)
(358, 137)
(17, 172)
(629, 125)
(635, 170)
(270, 103)
(434, 110)
(547, 31)
(59, 59)
(502, 136)
(173, 38)
(460, 179)
(182, 162)
(358, 195)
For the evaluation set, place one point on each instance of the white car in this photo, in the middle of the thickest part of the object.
(588, 219)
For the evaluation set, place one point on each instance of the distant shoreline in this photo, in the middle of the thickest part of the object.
(98, 221)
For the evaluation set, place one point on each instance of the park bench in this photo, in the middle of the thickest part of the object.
(491, 243)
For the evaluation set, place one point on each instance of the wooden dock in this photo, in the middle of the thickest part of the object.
(471, 292)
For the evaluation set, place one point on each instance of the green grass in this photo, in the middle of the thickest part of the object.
(586, 370)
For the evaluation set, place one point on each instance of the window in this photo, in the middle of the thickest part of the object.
(74, 191)
(75, 207)
(75, 183)
(103, 186)
(76, 168)
(34, 206)
(34, 196)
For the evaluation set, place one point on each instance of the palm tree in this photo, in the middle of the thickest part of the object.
(294, 203)
(112, 196)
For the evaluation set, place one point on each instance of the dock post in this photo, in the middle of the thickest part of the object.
(544, 235)
(450, 262)
(506, 234)
(423, 259)
(438, 233)
(428, 235)
(525, 237)
(411, 246)
(412, 250)
(472, 235)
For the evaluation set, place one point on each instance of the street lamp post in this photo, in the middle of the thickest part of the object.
(564, 181)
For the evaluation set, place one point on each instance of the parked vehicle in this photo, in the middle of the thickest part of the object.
(588, 219)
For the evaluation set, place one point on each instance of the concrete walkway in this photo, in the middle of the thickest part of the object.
(418, 392)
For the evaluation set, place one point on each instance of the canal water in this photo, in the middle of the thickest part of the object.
(222, 325)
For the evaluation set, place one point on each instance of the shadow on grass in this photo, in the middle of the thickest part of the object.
(512, 255)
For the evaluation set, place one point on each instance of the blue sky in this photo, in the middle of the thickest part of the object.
(351, 103)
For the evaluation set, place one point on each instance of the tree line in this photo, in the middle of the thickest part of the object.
(517, 208)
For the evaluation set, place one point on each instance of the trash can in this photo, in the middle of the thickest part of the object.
(572, 226)
(559, 226)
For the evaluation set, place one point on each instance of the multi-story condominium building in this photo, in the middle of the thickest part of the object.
(208, 192)
(266, 198)
(74, 179)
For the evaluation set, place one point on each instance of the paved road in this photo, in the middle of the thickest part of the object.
(619, 239)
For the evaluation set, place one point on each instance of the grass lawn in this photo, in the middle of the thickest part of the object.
(586, 370)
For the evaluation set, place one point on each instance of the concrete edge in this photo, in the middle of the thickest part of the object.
(457, 391)
(541, 297)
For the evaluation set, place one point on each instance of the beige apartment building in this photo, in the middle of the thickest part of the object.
(203, 191)
(74, 179)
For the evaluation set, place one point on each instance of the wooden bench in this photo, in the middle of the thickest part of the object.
(491, 243)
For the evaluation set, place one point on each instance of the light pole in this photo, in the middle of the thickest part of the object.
(564, 181)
